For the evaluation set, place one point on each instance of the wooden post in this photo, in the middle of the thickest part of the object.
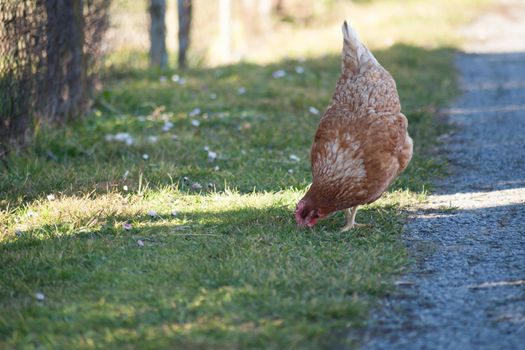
(184, 10)
(157, 52)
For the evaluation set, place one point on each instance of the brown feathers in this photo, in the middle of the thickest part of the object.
(361, 143)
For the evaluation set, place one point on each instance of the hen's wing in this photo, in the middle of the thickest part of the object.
(355, 158)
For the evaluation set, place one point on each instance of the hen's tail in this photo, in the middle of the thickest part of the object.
(356, 57)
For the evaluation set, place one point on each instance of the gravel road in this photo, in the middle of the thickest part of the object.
(466, 287)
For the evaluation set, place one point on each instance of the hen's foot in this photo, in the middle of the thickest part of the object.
(350, 220)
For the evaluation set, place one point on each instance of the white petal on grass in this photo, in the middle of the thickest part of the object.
(290, 171)
(195, 123)
(294, 158)
(50, 197)
(241, 90)
(195, 112)
(40, 296)
(174, 213)
(152, 213)
(167, 126)
(145, 156)
(216, 168)
(212, 156)
(153, 138)
(126, 174)
(175, 78)
(122, 136)
(279, 74)
(125, 188)
(206, 148)
(127, 226)
(140, 243)
(299, 70)
(313, 110)
(31, 213)
(196, 186)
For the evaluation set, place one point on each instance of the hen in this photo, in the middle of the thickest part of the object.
(361, 143)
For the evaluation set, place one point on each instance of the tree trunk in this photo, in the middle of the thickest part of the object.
(66, 62)
(77, 91)
(184, 9)
(158, 53)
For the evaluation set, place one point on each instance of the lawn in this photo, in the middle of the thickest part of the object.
(164, 218)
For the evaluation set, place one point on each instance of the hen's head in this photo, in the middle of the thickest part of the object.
(306, 214)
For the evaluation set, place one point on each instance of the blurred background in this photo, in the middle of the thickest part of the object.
(262, 31)
(227, 31)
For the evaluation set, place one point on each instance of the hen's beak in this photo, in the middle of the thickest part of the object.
(311, 223)
(298, 219)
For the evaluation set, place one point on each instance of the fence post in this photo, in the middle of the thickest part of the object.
(158, 53)
(184, 10)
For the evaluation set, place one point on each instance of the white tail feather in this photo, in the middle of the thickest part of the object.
(356, 57)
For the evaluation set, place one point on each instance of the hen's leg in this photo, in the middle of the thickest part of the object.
(350, 219)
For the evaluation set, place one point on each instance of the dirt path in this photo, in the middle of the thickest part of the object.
(466, 289)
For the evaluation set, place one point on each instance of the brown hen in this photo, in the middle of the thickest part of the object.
(361, 143)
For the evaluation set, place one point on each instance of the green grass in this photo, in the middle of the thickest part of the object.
(231, 269)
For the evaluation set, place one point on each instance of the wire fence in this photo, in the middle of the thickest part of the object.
(49, 56)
